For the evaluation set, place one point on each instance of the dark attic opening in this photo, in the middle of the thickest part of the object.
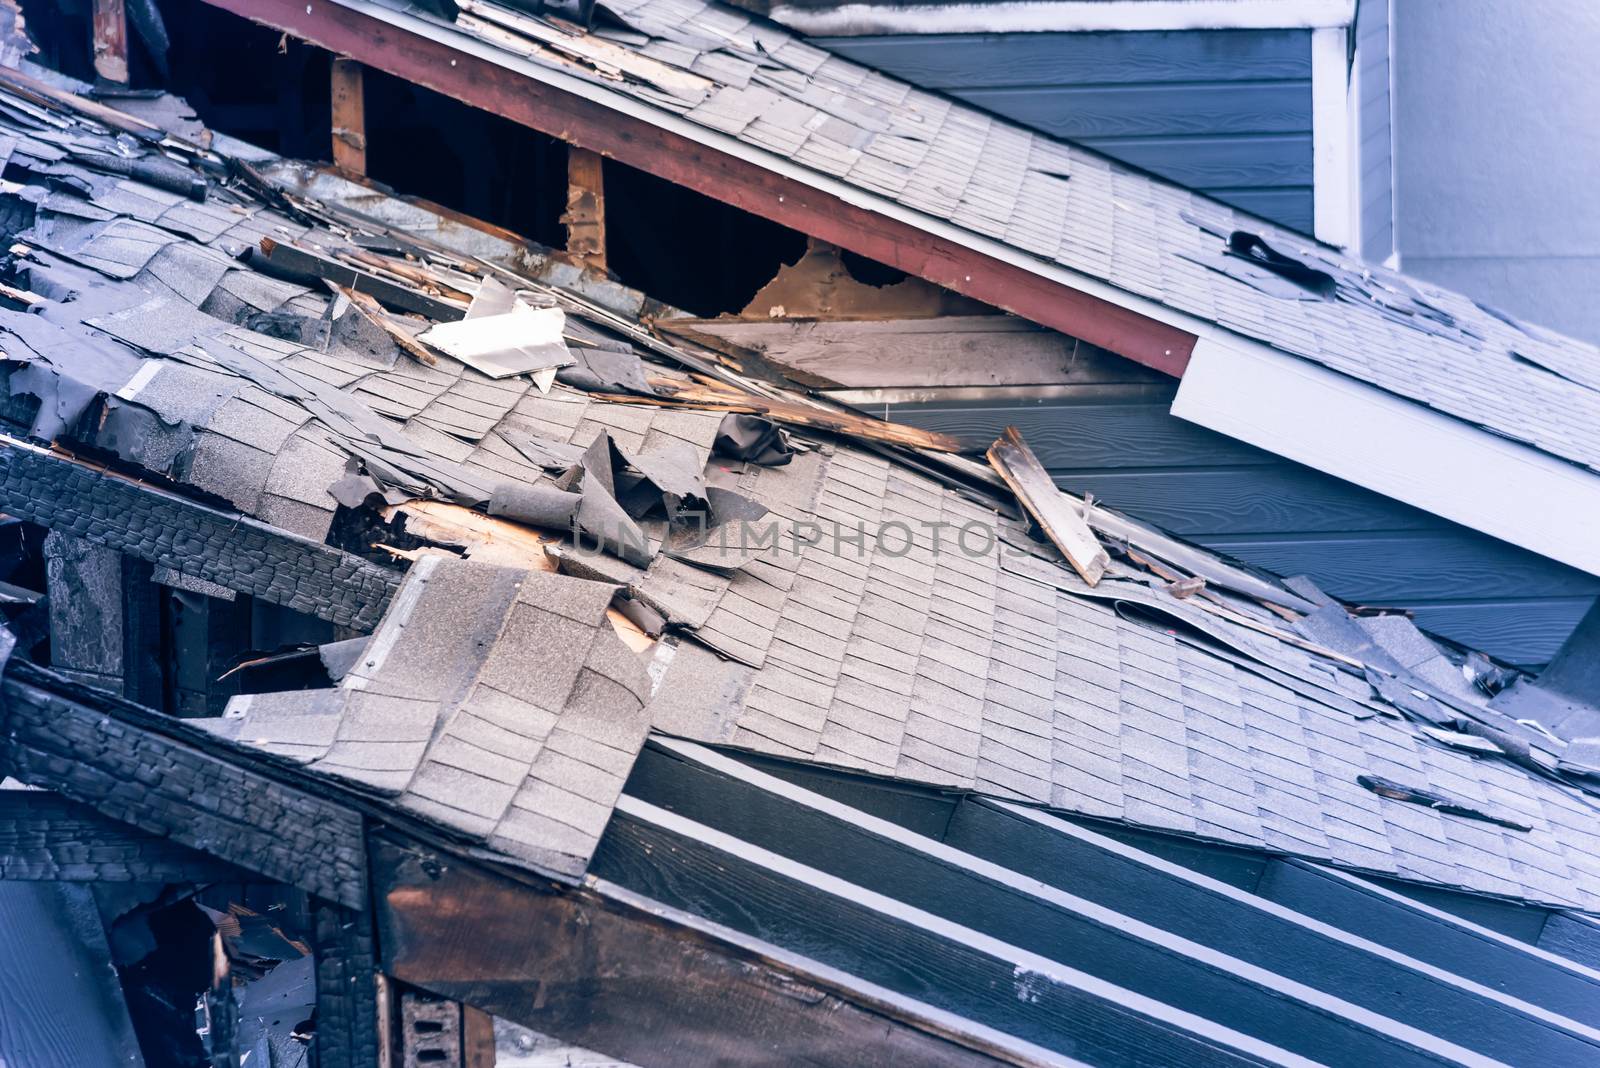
(251, 82)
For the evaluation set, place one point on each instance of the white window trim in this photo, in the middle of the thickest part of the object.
(1065, 16)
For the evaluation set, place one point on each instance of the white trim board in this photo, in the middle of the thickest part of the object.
(1064, 16)
(1332, 140)
(1396, 447)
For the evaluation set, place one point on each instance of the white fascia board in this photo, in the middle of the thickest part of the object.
(1064, 16)
(1396, 447)
(1332, 140)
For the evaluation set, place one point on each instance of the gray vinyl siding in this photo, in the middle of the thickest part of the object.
(1496, 153)
(1223, 111)
(1135, 456)
(1375, 152)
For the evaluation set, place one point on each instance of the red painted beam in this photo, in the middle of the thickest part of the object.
(746, 185)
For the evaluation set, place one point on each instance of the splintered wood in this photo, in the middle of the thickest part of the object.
(489, 540)
(349, 116)
(672, 392)
(1063, 524)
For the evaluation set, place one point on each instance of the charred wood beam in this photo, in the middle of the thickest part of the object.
(614, 972)
(111, 41)
(585, 217)
(347, 987)
(91, 747)
(349, 116)
(158, 525)
(44, 836)
(431, 61)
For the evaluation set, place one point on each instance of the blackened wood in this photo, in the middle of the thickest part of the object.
(60, 737)
(47, 836)
(638, 981)
(162, 527)
(87, 627)
(347, 987)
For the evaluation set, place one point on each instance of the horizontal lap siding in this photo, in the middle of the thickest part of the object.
(1224, 111)
(1368, 549)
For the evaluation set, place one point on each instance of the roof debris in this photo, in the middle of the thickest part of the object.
(773, 572)
(1049, 507)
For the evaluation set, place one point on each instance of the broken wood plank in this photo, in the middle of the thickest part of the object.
(605, 57)
(302, 264)
(1053, 510)
(369, 309)
(484, 538)
(490, 540)
(111, 41)
(52, 97)
(585, 217)
(349, 115)
(675, 991)
(671, 392)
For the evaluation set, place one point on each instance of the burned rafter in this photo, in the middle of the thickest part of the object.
(167, 528)
(48, 837)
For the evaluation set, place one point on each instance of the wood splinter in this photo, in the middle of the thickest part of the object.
(1053, 510)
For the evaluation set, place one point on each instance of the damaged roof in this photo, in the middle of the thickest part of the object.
(246, 343)
(732, 80)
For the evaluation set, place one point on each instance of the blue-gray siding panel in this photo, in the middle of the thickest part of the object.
(1278, 515)
(1224, 111)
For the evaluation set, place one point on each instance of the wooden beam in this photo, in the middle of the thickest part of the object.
(1053, 510)
(44, 836)
(104, 752)
(347, 1033)
(166, 528)
(585, 217)
(431, 61)
(349, 116)
(110, 23)
(608, 970)
(672, 392)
